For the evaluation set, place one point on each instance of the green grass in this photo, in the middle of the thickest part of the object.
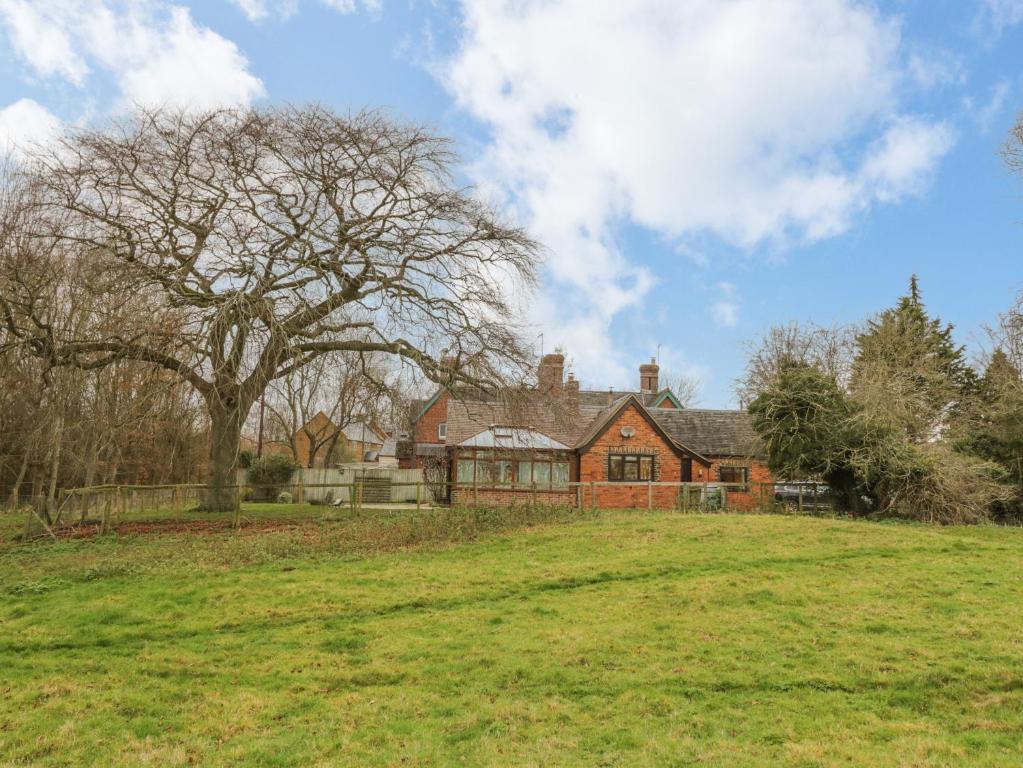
(618, 639)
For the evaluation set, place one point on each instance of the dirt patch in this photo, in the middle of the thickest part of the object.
(149, 527)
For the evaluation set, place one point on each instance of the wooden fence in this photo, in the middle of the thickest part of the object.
(105, 507)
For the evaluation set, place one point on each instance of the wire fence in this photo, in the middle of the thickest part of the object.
(130, 508)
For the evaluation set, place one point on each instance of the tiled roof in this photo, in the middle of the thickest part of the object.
(559, 417)
(555, 416)
(711, 432)
(360, 432)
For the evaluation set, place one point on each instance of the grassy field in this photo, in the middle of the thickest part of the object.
(616, 639)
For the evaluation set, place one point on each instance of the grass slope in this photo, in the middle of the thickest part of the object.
(621, 639)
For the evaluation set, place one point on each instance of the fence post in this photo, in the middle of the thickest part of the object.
(593, 494)
(419, 494)
(799, 504)
(178, 504)
(649, 495)
(579, 496)
(815, 509)
(534, 493)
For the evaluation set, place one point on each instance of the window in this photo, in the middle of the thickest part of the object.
(442, 431)
(482, 470)
(503, 473)
(465, 470)
(630, 468)
(560, 474)
(737, 475)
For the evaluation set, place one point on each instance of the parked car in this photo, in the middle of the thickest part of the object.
(815, 496)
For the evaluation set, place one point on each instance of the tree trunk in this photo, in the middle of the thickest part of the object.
(16, 488)
(225, 441)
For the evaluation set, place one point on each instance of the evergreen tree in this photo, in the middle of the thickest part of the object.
(992, 425)
(909, 371)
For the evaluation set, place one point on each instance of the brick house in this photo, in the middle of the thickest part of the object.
(331, 446)
(619, 446)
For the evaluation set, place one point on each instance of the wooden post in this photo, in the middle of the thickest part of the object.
(105, 522)
(815, 510)
(799, 504)
(649, 495)
(579, 496)
(179, 505)
(237, 521)
(419, 493)
(593, 494)
(534, 493)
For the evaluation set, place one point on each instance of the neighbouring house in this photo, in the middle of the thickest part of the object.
(500, 446)
(320, 443)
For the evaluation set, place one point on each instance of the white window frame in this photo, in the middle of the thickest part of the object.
(442, 431)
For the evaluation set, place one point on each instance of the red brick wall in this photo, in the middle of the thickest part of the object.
(759, 476)
(506, 497)
(425, 430)
(667, 464)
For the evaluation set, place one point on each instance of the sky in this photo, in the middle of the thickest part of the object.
(696, 170)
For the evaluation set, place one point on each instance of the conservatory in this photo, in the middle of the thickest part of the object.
(509, 458)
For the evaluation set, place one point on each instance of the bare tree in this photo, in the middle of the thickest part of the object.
(343, 386)
(267, 238)
(830, 350)
(685, 387)
(1006, 333)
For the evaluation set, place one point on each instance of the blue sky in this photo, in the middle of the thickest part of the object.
(698, 170)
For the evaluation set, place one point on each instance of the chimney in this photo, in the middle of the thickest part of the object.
(447, 367)
(550, 374)
(648, 376)
(571, 397)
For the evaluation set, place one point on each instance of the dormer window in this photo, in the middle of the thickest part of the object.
(442, 431)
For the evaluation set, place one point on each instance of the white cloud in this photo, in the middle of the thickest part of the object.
(725, 311)
(1000, 14)
(257, 10)
(44, 45)
(153, 49)
(178, 58)
(985, 114)
(754, 121)
(23, 124)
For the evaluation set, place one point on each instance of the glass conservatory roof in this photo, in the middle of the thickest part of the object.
(512, 437)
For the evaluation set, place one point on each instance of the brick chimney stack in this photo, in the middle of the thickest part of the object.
(648, 376)
(550, 375)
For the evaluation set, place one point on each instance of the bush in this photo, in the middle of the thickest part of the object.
(268, 473)
(283, 497)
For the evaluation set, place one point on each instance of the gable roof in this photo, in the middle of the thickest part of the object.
(711, 432)
(600, 425)
(361, 432)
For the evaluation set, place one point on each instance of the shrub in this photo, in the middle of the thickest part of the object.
(283, 497)
(268, 473)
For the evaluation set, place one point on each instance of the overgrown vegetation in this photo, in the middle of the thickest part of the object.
(621, 639)
(912, 432)
(268, 473)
